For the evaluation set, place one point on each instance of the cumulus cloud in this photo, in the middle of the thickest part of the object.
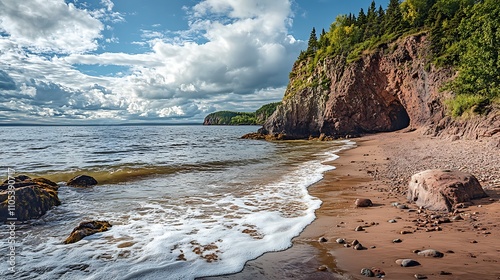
(236, 54)
(49, 26)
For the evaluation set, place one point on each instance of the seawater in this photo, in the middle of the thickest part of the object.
(184, 201)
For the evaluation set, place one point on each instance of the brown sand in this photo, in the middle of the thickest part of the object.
(378, 169)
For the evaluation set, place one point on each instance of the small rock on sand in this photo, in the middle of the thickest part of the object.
(407, 262)
(367, 272)
(359, 228)
(420, 276)
(430, 253)
(363, 202)
(340, 240)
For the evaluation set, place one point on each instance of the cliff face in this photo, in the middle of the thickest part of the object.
(392, 88)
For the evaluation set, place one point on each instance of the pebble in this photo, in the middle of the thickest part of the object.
(407, 262)
(457, 218)
(420, 276)
(402, 206)
(359, 228)
(430, 253)
(323, 240)
(363, 202)
(397, 240)
(444, 273)
(378, 272)
(354, 242)
(323, 268)
(367, 272)
(405, 232)
(392, 221)
(340, 240)
(358, 247)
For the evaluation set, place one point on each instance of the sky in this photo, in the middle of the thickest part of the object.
(151, 61)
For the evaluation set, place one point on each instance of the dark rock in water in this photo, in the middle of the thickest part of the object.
(85, 229)
(367, 272)
(442, 190)
(363, 202)
(29, 198)
(430, 253)
(82, 181)
(254, 136)
(407, 262)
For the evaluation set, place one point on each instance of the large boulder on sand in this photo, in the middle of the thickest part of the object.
(85, 229)
(441, 190)
(23, 198)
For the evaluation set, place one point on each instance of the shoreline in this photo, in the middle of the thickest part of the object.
(377, 169)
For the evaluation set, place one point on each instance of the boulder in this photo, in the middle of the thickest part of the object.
(29, 198)
(442, 190)
(82, 181)
(85, 229)
(363, 202)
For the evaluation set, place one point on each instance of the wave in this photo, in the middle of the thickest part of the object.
(125, 173)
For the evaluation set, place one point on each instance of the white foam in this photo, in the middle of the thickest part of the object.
(166, 238)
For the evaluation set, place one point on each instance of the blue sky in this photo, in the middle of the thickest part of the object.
(128, 61)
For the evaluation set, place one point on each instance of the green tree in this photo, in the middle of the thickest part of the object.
(480, 43)
(361, 21)
(312, 45)
(393, 17)
(371, 28)
(415, 12)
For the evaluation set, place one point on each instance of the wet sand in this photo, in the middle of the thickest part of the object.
(378, 169)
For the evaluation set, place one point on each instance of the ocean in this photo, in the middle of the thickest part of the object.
(184, 201)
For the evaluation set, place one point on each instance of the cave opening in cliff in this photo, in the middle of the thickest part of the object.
(399, 117)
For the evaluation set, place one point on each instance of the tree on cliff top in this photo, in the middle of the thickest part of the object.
(393, 17)
(312, 44)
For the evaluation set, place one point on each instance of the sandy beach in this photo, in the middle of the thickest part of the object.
(379, 169)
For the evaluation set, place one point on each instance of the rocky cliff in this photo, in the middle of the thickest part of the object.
(390, 88)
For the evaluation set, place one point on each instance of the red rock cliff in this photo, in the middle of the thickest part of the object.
(389, 89)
